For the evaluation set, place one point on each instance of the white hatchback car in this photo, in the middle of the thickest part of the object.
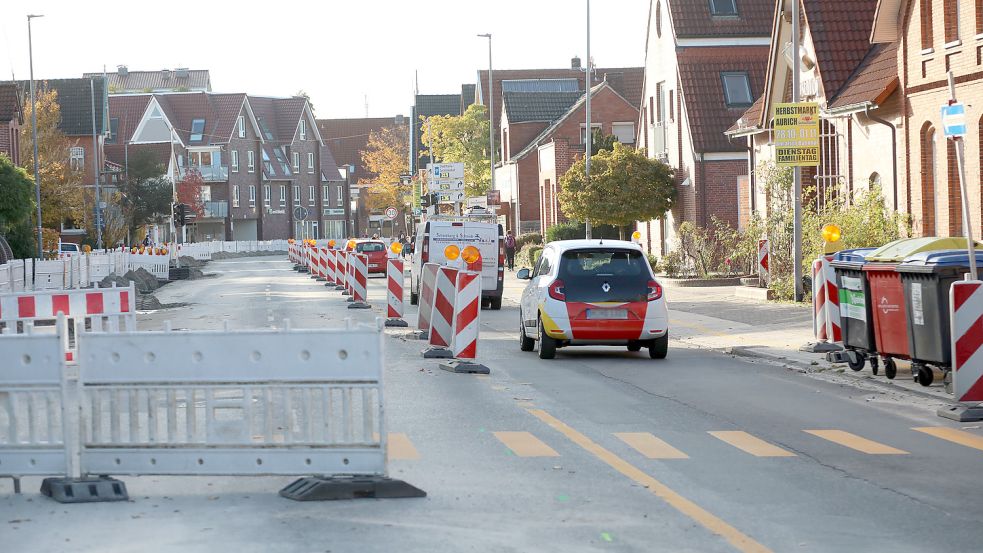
(593, 292)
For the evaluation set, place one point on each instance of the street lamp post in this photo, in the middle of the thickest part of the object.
(590, 137)
(491, 123)
(34, 134)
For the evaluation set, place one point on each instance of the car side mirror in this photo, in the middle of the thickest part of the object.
(523, 274)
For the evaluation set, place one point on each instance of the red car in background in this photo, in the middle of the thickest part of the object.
(376, 252)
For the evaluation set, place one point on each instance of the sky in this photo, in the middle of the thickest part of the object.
(338, 51)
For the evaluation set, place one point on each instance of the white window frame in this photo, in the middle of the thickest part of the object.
(267, 192)
(242, 126)
(631, 135)
(251, 161)
(310, 162)
(283, 195)
(234, 160)
(311, 195)
(341, 195)
(296, 161)
(235, 195)
(747, 80)
(76, 158)
(326, 194)
(252, 195)
(303, 129)
(297, 197)
(583, 129)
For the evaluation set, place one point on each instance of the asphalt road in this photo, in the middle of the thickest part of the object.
(597, 450)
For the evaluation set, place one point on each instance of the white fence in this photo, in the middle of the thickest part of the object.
(287, 402)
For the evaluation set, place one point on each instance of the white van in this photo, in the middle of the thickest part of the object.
(439, 232)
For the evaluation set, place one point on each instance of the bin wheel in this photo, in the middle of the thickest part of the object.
(922, 374)
(890, 368)
(873, 365)
(855, 365)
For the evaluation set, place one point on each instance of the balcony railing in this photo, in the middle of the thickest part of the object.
(209, 173)
(217, 209)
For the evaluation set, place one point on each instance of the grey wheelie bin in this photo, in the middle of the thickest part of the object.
(856, 318)
(927, 277)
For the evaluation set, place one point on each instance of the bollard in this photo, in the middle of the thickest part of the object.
(394, 285)
(467, 309)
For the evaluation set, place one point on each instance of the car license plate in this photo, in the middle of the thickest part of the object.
(608, 314)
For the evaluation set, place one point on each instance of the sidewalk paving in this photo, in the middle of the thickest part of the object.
(714, 318)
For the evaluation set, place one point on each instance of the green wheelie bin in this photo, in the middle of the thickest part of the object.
(856, 319)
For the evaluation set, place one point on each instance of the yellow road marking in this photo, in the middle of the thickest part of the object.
(650, 446)
(401, 448)
(750, 444)
(858, 443)
(952, 435)
(524, 444)
(735, 537)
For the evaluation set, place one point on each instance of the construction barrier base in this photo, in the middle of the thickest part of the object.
(820, 347)
(84, 490)
(437, 352)
(339, 287)
(321, 488)
(396, 323)
(962, 412)
(845, 356)
(466, 367)
(350, 298)
(358, 305)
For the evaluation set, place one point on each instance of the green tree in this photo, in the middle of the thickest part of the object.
(62, 197)
(387, 156)
(16, 207)
(625, 187)
(462, 138)
(600, 141)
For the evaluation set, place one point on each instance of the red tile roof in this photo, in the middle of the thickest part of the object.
(692, 18)
(874, 79)
(348, 137)
(128, 110)
(703, 93)
(121, 153)
(226, 108)
(280, 115)
(841, 35)
(156, 81)
(9, 102)
(750, 119)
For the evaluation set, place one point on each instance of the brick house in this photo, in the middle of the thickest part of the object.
(11, 119)
(259, 158)
(557, 124)
(704, 66)
(182, 79)
(424, 106)
(854, 83)
(929, 38)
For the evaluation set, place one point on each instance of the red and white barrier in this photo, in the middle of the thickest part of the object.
(966, 310)
(428, 283)
(394, 297)
(442, 318)
(764, 260)
(329, 266)
(825, 301)
(359, 264)
(341, 269)
(467, 306)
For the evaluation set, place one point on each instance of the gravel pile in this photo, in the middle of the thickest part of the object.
(148, 302)
(110, 280)
(143, 283)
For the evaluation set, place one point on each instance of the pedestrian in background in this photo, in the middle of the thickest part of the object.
(510, 250)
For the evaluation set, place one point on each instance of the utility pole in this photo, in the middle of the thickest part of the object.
(796, 171)
(95, 167)
(588, 147)
(491, 122)
(34, 133)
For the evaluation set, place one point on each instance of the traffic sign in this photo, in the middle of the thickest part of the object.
(300, 212)
(447, 185)
(451, 197)
(478, 201)
(797, 134)
(391, 213)
(954, 120)
(440, 171)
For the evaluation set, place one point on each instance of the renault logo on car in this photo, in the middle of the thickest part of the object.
(606, 287)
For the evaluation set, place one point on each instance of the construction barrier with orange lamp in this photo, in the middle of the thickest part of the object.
(360, 280)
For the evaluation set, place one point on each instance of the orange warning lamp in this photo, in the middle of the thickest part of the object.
(351, 244)
(396, 248)
(291, 241)
(331, 243)
(636, 237)
(452, 252)
(470, 254)
(832, 233)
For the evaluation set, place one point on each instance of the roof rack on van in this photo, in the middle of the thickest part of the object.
(473, 217)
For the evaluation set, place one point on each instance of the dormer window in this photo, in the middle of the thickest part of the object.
(197, 130)
(303, 129)
(723, 7)
(737, 89)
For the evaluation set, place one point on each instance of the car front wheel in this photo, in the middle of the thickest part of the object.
(547, 345)
(660, 347)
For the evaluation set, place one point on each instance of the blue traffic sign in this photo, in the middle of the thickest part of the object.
(954, 120)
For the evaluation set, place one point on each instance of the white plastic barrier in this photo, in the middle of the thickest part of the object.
(157, 265)
(231, 403)
(50, 274)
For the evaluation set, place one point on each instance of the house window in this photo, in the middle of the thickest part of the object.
(296, 160)
(326, 194)
(283, 195)
(251, 161)
(113, 130)
(267, 192)
(950, 12)
(241, 124)
(979, 17)
(658, 19)
(311, 195)
(672, 107)
(660, 102)
(297, 197)
(583, 131)
(200, 159)
(925, 13)
(252, 195)
(303, 129)
(723, 7)
(928, 172)
(624, 132)
(310, 162)
(651, 110)
(737, 89)
(234, 160)
(197, 130)
(235, 195)
(341, 195)
(76, 158)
